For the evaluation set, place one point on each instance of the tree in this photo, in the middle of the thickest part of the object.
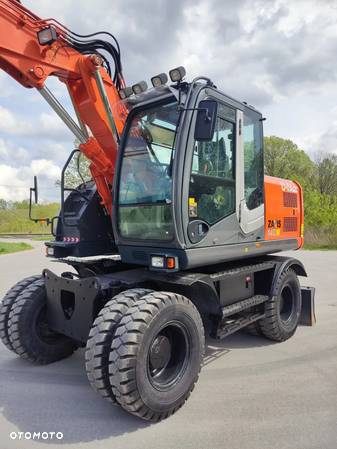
(327, 173)
(77, 171)
(284, 159)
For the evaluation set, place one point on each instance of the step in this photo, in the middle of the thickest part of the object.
(237, 324)
(243, 305)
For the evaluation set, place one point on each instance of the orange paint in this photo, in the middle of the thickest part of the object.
(284, 211)
(30, 64)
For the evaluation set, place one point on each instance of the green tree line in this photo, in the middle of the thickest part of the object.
(283, 159)
(318, 177)
(14, 217)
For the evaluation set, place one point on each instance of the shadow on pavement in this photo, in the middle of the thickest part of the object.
(219, 348)
(58, 398)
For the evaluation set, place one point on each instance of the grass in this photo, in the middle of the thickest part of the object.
(6, 248)
(320, 246)
(324, 239)
(43, 238)
(16, 220)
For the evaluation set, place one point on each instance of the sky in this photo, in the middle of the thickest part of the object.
(278, 55)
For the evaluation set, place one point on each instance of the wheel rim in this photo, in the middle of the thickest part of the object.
(287, 304)
(42, 329)
(168, 356)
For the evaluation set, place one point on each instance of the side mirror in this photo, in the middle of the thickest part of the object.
(35, 190)
(206, 118)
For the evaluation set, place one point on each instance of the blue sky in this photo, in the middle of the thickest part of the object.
(278, 55)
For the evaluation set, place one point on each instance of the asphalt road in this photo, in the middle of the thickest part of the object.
(252, 394)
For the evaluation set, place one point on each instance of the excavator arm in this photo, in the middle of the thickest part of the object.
(32, 50)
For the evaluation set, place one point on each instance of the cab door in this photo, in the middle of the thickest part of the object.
(211, 198)
(250, 175)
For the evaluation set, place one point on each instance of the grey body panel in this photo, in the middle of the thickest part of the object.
(210, 255)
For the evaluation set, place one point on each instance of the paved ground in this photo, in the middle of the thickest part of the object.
(251, 394)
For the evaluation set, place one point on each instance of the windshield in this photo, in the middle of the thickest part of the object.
(145, 189)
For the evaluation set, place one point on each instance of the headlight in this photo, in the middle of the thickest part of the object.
(50, 251)
(158, 261)
(164, 262)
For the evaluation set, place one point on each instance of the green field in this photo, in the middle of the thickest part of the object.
(43, 238)
(318, 246)
(15, 220)
(6, 248)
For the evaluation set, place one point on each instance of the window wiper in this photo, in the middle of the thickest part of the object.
(164, 201)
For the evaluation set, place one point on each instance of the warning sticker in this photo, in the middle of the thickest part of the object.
(192, 207)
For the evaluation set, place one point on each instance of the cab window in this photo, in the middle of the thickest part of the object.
(212, 182)
(253, 159)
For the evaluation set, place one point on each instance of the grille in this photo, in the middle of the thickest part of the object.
(290, 224)
(289, 199)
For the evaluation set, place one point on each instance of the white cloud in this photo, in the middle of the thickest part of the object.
(278, 55)
(45, 168)
(12, 153)
(15, 181)
(44, 125)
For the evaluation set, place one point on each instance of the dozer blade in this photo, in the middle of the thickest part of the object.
(308, 317)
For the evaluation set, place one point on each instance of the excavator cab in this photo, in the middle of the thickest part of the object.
(189, 180)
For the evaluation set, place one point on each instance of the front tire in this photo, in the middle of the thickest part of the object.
(29, 334)
(282, 311)
(100, 338)
(156, 355)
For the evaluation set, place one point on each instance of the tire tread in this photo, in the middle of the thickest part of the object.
(124, 351)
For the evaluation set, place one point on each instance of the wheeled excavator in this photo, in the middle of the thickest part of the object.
(174, 239)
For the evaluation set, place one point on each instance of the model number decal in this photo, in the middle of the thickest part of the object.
(274, 224)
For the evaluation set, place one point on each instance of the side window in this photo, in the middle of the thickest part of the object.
(212, 183)
(253, 159)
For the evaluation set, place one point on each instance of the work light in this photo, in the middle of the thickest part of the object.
(177, 74)
(47, 36)
(126, 92)
(158, 261)
(164, 262)
(139, 87)
(159, 80)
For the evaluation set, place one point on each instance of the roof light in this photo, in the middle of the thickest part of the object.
(125, 93)
(47, 36)
(139, 87)
(177, 74)
(159, 80)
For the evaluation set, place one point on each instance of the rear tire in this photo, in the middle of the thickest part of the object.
(28, 331)
(6, 307)
(100, 338)
(156, 355)
(282, 311)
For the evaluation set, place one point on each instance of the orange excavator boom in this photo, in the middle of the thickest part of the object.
(32, 50)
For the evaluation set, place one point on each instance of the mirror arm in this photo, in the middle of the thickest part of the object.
(34, 190)
(208, 118)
